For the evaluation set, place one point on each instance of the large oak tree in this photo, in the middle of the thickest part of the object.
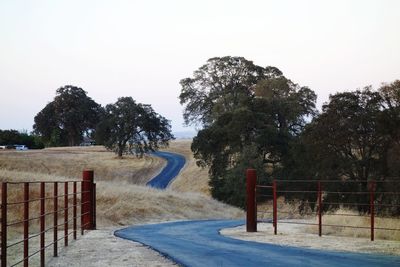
(130, 127)
(220, 85)
(65, 120)
(354, 139)
(250, 115)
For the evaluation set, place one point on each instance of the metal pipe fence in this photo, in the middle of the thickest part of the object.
(327, 195)
(32, 210)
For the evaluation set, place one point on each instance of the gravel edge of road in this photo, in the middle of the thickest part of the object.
(103, 248)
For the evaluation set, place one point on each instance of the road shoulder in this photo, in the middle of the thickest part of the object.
(297, 235)
(102, 248)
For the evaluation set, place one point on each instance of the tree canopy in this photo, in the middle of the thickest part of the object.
(14, 137)
(64, 120)
(129, 127)
(249, 114)
(356, 143)
(220, 85)
(255, 117)
(353, 139)
(125, 126)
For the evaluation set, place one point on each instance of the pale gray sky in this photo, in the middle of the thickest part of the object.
(143, 48)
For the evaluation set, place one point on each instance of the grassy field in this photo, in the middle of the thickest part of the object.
(70, 161)
(121, 197)
(118, 204)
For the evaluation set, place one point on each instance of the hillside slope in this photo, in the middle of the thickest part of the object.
(192, 178)
(122, 198)
(70, 161)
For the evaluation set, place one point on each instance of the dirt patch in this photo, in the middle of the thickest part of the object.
(296, 235)
(102, 248)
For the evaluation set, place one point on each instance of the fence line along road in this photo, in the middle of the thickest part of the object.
(374, 199)
(38, 204)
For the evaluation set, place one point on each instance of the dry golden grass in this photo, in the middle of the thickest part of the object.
(121, 203)
(70, 161)
(285, 210)
(291, 211)
(192, 178)
(15, 194)
(119, 200)
(358, 221)
(133, 204)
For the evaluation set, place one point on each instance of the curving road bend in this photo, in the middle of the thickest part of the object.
(198, 243)
(175, 163)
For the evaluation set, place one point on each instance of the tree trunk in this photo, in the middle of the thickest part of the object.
(72, 139)
(120, 150)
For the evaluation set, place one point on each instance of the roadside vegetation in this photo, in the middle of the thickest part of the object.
(255, 117)
(360, 221)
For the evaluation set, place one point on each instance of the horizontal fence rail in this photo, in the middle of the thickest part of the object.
(30, 211)
(372, 199)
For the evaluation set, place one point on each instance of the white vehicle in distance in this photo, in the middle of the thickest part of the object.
(21, 147)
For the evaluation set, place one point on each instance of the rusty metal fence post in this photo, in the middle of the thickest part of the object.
(319, 192)
(55, 219)
(66, 210)
(26, 224)
(275, 208)
(94, 206)
(87, 200)
(372, 186)
(74, 201)
(42, 223)
(4, 224)
(251, 218)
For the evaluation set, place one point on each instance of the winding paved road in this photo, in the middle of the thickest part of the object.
(198, 243)
(175, 163)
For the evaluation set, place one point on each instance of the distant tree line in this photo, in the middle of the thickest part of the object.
(10, 138)
(255, 117)
(124, 127)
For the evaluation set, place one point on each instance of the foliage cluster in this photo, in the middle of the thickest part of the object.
(132, 127)
(255, 117)
(355, 138)
(13, 137)
(65, 120)
(125, 126)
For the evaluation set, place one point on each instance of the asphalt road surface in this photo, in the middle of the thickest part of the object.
(175, 163)
(198, 243)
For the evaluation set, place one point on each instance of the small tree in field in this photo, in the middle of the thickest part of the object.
(129, 127)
